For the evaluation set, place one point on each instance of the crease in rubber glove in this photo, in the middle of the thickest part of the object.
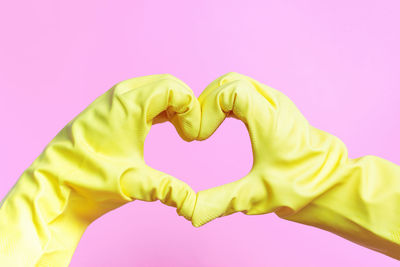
(92, 166)
(188, 119)
(301, 173)
(188, 205)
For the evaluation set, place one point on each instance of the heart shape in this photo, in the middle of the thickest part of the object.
(256, 105)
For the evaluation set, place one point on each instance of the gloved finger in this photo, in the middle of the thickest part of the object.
(247, 195)
(241, 99)
(162, 97)
(149, 184)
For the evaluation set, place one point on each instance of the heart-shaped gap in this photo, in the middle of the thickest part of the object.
(224, 157)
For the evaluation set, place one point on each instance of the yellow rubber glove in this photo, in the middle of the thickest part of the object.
(299, 172)
(93, 165)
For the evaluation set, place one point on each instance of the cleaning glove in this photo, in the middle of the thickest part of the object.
(94, 165)
(299, 172)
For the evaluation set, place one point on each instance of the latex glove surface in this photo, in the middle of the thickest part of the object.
(93, 165)
(299, 172)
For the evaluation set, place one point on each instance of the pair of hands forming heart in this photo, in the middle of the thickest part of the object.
(95, 164)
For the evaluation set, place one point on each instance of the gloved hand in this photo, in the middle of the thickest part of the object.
(299, 172)
(93, 165)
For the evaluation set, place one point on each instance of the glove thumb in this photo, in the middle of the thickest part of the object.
(226, 199)
(149, 184)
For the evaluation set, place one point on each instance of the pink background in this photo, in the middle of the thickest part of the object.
(337, 60)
